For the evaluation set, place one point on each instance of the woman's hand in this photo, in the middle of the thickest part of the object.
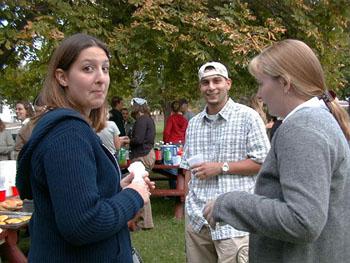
(126, 180)
(151, 184)
(208, 213)
(142, 188)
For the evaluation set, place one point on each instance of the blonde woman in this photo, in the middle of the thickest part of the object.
(301, 207)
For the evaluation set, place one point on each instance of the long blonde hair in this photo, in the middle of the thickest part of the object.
(258, 107)
(294, 61)
(53, 94)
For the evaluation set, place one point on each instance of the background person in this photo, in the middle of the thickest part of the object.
(81, 204)
(277, 122)
(301, 207)
(26, 131)
(128, 121)
(7, 143)
(175, 132)
(232, 139)
(141, 149)
(24, 111)
(185, 110)
(176, 125)
(117, 104)
(109, 136)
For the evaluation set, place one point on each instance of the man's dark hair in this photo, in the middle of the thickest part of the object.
(208, 68)
(183, 101)
(175, 106)
(115, 100)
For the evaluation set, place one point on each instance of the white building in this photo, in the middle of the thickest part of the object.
(6, 113)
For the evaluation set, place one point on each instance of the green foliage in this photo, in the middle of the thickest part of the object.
(158, 45)
(323, 25)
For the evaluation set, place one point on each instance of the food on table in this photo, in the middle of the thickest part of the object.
(8, 220)
(25, 218)
(11, 204)
(3, 218)
(13, 221)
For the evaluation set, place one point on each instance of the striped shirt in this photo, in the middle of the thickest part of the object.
(237, 134)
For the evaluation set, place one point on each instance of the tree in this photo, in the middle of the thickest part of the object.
(167, 41)
(158, 45)
(323, 25)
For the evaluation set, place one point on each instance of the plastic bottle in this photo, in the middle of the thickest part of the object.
(180, 149)
(167, 156)
(158, 154)
(122, 157)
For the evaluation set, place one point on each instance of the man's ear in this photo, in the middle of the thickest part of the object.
(229, 83)
(61, 77)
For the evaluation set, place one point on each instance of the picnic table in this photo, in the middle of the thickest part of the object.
(179, 191)
(9, 233)
(9, 248)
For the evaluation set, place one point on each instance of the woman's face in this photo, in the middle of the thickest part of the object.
(87, 81)
(272, 94)
(21, 112)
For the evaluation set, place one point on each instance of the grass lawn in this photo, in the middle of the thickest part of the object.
(164, 243)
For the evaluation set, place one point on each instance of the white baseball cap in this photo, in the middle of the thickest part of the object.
(217, 69)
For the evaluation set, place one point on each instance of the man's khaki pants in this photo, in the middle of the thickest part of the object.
(200, 248)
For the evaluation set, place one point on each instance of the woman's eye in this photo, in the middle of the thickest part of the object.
(88, 68)
(105, 69)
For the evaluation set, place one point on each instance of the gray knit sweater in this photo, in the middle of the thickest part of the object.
(300, 211)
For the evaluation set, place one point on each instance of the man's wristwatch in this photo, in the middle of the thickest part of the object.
(224, 168)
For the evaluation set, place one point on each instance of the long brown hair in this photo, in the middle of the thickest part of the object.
(53, 94)
(295, 61)
(28, 107)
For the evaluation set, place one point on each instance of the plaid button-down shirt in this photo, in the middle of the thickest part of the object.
(237, 134)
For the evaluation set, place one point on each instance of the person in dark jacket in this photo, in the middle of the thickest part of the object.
(141, 148)
(116, 114)
(81, 204)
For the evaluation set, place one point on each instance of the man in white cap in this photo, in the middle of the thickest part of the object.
(231, 140)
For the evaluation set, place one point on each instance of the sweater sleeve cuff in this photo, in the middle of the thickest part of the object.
(131, 201)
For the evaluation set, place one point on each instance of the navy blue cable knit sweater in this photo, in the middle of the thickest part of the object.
(81, 212)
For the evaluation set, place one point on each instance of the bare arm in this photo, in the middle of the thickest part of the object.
(187, 179)
(117, 142)
(245, 167)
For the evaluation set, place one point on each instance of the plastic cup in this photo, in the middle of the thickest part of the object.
(176, 160)
(195, 159)
(2, 195)
(14, 191)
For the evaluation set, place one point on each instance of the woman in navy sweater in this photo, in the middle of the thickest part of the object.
(81, 204)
